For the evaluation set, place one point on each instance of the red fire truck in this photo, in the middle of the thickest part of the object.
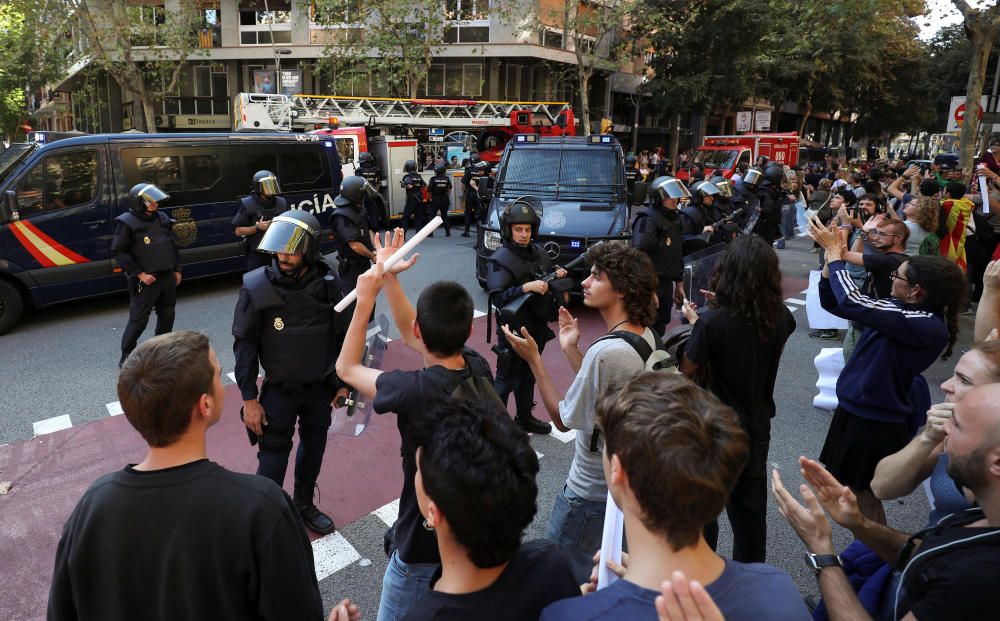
(725, 154)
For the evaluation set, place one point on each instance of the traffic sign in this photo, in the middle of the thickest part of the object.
(956, 112)
(743, 121)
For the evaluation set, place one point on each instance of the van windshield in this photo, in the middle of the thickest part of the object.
(13, 154)
(563, 174)
(718, 158)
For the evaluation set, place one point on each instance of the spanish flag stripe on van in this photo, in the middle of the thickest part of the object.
(46, 250)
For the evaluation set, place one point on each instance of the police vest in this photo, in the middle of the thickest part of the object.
(257, 211)
(413, 194)
(481, 172)
(297, 338)
(439, 186)
(371, 175)
(693, 220)
(664, 239)
(358, 220)
(512, 270)
(152, 242)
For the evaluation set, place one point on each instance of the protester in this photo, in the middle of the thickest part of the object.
(177, 536)
(903, 336)
(476, 489)
(662, 423)
(738, 341)
(922, 220)
(958, 208)
(988, 311)
(621, 286)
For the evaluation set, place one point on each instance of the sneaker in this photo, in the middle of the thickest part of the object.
(314, 519)
(531, 424)
(826, 335)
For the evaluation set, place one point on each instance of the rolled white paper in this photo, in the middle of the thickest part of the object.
(396, 257)
(984, 191)
(611, 543)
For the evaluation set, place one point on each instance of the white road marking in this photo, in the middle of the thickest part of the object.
(539, 455)
(476, 314)
(232, 377)
(50, 425)
(388, 513)
(563, 436)
(803, 292)
(114, 408)
(331, 554)
(794, 301)
(792, 308)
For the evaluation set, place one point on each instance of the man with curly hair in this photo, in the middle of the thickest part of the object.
(622, 287)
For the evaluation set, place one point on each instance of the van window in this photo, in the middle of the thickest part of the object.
(201, 172)
(345, 147)
(182, 172)
(744, 161)
(302, 168)
(59, 181)
(163, 171)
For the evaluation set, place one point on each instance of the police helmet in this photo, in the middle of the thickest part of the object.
(703, 189)
(724, 185)
(144, 194)
(753, 177)
(474, 159)
(352, 191)
(265, 183)
(293, 232)
(410, 166)
(774, 174)
(630, 161)
(366, 158)
(524, 210)
(668, 187)
(439, 169)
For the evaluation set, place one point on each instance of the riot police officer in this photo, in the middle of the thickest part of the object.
(745, 198)
(378, 219)
(724, 206)
(514, 270)
(657, 232)
(631, 176)
(352, 233)
(255, 212)
(440, 188)
(772, 199)
(414, 185)
(284, 321)
(145, 248)
(698, 215)
(470, 181)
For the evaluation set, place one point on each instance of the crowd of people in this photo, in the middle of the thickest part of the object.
(670, 436)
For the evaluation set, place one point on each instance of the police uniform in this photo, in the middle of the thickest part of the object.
(350, 224)
(414, 184)
(507, 270)
(286, 324)
(696, 215)
(374, 205)
(440, 188)
(473, 205)
(263, 204)
(745, 197)
(772, 199)
(144, 243)
(657, 232)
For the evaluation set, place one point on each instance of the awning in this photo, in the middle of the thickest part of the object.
(72, 78)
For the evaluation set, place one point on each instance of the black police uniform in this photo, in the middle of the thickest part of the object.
(252, 209)
(440, 188)
(631, 177)
(414, 184)
(473, 203)
(374, 206)
(657, 232)
(507, 269)
(694, 219)
(146, 243)
(288, 326)
(745, 198)
(772, 198)
(350, 224)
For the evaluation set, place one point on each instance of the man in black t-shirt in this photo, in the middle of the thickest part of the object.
(438, 329)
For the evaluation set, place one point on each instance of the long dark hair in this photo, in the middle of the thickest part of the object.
(747, 280)
(944, 285)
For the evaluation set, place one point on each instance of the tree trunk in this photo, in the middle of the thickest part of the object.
(148, 113)
(585, 100)
(981, 47)
(675, 142)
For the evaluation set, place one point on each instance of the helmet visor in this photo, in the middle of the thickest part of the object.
(286, 235)
(753, 177)
(725, 188)
(707, 188)
(151, 194)
(269, 186)
(672, 188)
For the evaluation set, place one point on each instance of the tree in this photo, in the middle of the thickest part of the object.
(982, 28)
(143, 47)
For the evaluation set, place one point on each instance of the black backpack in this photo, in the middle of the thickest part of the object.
(474, 387)
(655, 358)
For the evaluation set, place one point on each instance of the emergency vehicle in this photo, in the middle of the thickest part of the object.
(725, 155)
(59, 200)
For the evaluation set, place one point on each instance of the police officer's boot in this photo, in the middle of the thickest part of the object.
(314, 519)
(529, 423)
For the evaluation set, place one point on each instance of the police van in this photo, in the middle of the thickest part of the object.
(59, 199)
(580, 183)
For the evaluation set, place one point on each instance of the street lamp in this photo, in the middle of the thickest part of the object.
(278, 53)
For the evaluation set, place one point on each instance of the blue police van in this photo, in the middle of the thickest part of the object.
(59, 199)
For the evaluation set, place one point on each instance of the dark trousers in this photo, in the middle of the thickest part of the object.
(665, 299)
(413, 210)
(471, 210)
(283, 405)
(747, 510)
(442, 210)
(349, 270)
(161, 295)
(516, 377)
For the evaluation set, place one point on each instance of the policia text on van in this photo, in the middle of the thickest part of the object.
(58, 203)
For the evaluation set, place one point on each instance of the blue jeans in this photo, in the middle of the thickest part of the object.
(403, 586)
(577, 524)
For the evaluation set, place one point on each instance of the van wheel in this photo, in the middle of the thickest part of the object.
(11, 306)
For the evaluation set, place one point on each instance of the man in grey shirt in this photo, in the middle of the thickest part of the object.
(622, 287)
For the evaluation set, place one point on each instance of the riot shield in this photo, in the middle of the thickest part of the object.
(698, 269)
(352, 418)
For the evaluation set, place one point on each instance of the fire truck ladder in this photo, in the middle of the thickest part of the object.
(257, 112)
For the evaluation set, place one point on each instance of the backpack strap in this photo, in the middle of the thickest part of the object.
(637, 342)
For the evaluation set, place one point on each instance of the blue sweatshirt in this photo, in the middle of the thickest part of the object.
(899, 343)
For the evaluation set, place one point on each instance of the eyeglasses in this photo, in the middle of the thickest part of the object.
(878, 233)
(894, 275)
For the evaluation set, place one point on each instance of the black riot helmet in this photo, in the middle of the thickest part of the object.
(524, 210)
(410, 166)
(353, 191)
(366, 158)
(753, 177)
(439, 169)
(703, 189)
(293, 232)
(265, 183)
(725, 185)
(630, 161)
(474, 159)
(143, 194)
(669, 187)
(774, 174)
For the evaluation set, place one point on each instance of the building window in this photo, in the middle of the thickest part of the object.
(210, 34)
(435, 81)
(146, 20)
(552, 38)
(467, 21)
(472, 79)
(265, 25)
(332, 13)
(455, 80)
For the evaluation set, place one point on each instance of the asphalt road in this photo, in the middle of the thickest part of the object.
(63, 361)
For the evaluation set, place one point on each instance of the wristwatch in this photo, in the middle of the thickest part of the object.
(820, 561)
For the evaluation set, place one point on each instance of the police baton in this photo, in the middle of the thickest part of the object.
(396, 257)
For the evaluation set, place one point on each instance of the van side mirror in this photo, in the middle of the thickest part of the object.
(8, 206)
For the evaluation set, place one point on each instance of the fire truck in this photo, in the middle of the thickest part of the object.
(725, 154)
(397, 129)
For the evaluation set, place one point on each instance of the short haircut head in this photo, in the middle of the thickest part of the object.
(479, 469)
(161, 381)
(869, 196)
(632, 274)
(955, 189)
(896, 227)
(825, 184)
(444, 314)
(849, 197)
(929, 187)
(680, 447)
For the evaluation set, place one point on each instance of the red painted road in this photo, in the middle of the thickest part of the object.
(51, 472)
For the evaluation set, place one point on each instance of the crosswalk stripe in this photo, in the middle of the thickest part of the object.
(331, 554)
(792, 308)
(388, 512)
(114, 408)
(476, 314)
(50, 425)
(794, 301)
